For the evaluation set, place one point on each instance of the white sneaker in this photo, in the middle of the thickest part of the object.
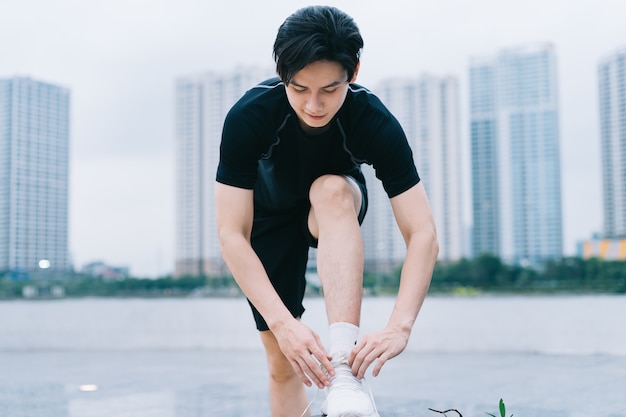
(346, 396)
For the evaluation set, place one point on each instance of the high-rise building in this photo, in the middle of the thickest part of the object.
(202, 102)
(612, 85)
(428, 110)
(34, 165)
(516, 177)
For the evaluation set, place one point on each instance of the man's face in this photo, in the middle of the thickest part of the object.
(317, 92)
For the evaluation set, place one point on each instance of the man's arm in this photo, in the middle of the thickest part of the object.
(414, 218)
(235, 211)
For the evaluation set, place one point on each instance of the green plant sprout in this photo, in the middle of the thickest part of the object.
(502, 410)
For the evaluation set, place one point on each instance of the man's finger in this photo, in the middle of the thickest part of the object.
(323, 357)
(360, 358)
(366, 362)
(315, 373)
(379, 364)
(305, 379)
(324, 363)
(323, 368)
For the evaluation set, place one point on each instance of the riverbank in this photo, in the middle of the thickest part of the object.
(483, 274)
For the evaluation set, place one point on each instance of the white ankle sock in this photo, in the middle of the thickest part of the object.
(343, 337)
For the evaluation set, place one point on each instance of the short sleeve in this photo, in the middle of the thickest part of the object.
(239, 151)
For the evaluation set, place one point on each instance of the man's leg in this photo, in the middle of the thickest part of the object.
(333, 220)
(287, 393)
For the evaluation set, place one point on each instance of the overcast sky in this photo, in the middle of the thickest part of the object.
(120, 59)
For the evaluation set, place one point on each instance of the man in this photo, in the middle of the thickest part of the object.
(289, 177)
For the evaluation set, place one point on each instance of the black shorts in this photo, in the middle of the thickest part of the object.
(282, 241)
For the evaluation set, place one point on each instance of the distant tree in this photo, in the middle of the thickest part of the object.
(488, 270)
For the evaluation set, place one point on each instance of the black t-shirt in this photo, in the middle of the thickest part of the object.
(264, 148)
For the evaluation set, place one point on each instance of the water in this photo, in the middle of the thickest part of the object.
(546, 356)
(572, 325)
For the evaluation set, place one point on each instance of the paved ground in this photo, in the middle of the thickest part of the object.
(202, 383)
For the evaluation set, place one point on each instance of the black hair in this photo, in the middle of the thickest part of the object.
(317, 33)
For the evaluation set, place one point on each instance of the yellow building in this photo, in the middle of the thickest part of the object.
(608, 249)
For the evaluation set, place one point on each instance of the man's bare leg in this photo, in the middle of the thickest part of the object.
(287, 393)
(335, 204)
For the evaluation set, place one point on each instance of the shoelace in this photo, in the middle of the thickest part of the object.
(308, 407)
(344, 379)
(369, 390)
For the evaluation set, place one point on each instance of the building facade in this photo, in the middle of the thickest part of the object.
(515, 155)
(612, 94)
(428, 110)
(34, 168)
(202, 102)
(605, 249)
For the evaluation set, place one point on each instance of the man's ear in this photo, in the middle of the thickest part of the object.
(356, 71)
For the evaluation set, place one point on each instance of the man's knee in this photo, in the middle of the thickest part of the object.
(331, 190)
(280, 370)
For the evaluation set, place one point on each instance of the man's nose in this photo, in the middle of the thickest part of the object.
(314, 102)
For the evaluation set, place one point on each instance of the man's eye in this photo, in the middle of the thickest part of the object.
(330, 91)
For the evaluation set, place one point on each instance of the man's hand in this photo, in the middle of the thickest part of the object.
(305, 351)
(377, 346)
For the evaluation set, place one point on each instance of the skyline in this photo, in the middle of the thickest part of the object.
(120, 61)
